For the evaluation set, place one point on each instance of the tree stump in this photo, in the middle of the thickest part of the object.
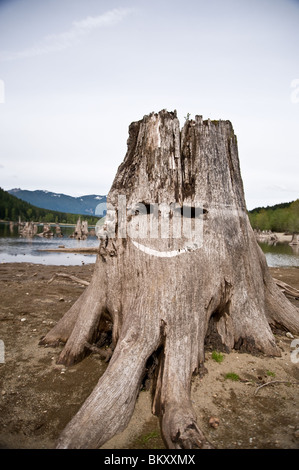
(295, 239)
(165, 289)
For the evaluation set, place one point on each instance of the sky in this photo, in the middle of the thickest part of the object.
(74, 74)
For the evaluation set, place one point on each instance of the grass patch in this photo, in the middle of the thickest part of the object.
(217, 356)
(151, 435)
(270, 374)
(232, 376)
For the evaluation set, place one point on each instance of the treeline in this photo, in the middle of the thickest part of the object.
(279, 218)
(13, 208)
(282, 217)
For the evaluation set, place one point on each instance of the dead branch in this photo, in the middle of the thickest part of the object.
(69, 276)
(286, 289)
(87, 250)
(275, 382)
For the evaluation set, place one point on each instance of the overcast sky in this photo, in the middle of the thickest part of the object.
(74, 74)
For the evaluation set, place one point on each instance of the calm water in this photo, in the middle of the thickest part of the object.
(281, 254)
(14, 248)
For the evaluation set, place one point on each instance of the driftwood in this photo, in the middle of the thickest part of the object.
(86, 250)
(169, 294)
(286, 289)
(273, 382)
(69, 276)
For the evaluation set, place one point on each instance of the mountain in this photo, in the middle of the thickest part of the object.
(85, 205)
(13, 208)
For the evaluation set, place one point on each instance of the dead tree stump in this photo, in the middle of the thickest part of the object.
(164, 288)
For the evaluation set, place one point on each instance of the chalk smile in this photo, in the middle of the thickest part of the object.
(165, 254)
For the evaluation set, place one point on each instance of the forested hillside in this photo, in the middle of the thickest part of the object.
(282, 217)
(279, 218)
(11, 208)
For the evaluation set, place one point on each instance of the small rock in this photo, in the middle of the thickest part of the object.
(61, 299)
(289, 335)
(296, 434)
(214, 422)
(23, 319)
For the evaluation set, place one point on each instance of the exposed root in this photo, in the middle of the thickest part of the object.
(76, 347)
(109, 408)
(63, 329)
(104, 353)
(180, 430)
(84, 331)
(80, 323)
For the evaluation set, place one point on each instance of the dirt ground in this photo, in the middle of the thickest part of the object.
(39, 397)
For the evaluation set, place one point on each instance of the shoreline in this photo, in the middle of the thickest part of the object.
(283, 237)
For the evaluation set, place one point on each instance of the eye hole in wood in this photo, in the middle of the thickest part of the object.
(192, 212)
(189, 212)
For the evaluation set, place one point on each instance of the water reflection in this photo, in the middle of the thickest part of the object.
(15, 248)
(280, 254)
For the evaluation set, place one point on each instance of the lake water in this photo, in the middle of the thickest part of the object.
(281, 254)
(16, 249)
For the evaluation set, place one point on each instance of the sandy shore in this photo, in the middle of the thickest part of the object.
(38, 397)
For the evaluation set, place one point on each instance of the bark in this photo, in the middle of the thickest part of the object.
(167, 297)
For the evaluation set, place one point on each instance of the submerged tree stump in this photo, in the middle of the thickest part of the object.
(81, 230)
(166, 290)
(295, 239)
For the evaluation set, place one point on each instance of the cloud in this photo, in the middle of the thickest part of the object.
(71, 37)
(281, 188)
